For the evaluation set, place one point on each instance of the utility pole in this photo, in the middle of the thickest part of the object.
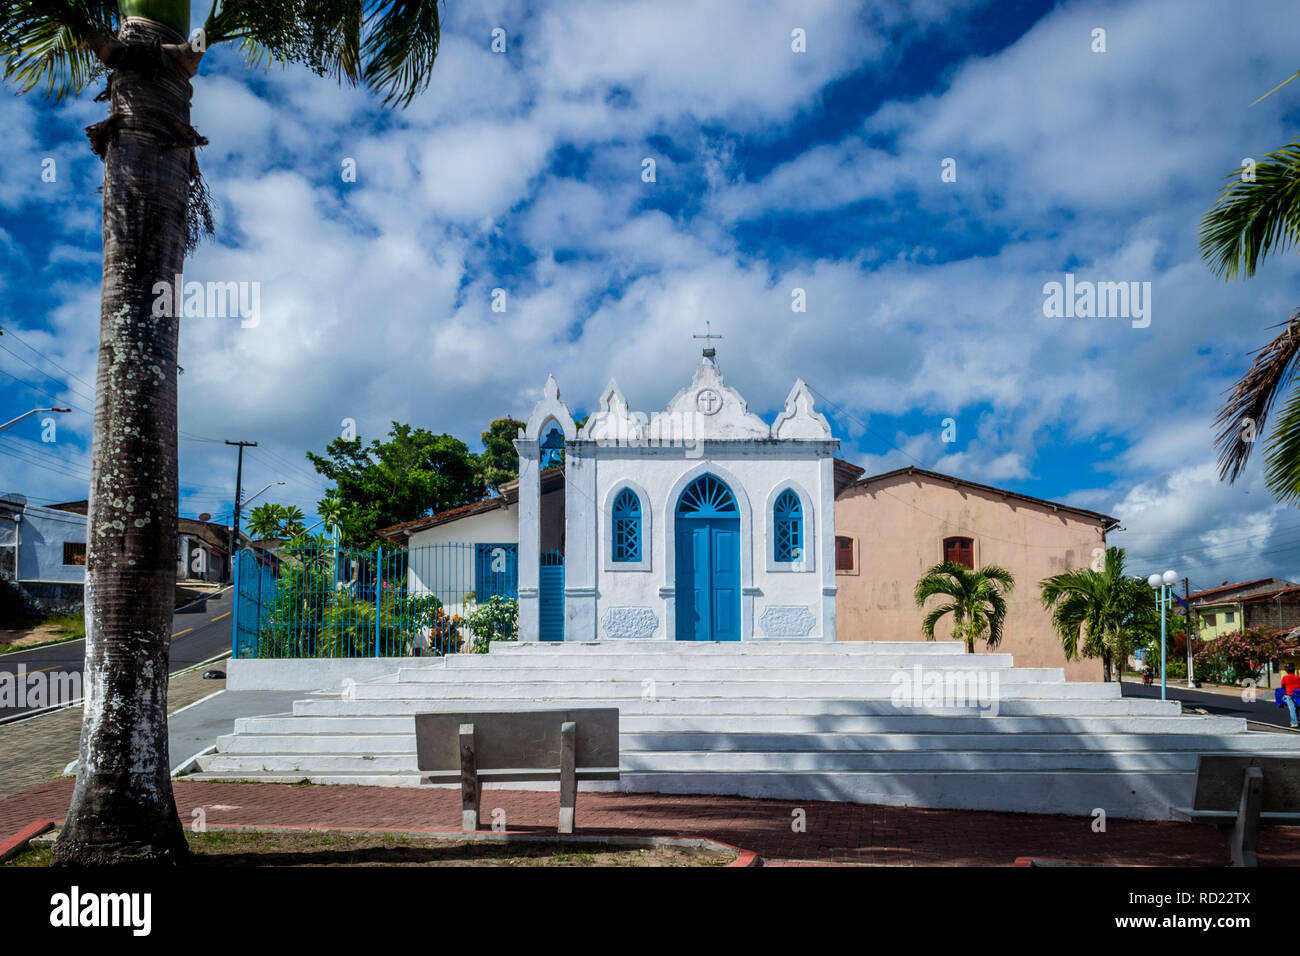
(1187, 618)
(239, 479)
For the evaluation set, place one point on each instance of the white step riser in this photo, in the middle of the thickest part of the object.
(668, 742)
(795, 724)
(1005, 677)
(741, 707)
(1141, 796)
(730, 649)
(466, 663)
(596, 689)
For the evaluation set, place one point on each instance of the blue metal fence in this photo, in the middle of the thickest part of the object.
(322, 601)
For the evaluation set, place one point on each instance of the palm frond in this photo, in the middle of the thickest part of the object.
(1276, 88)
(1283, 462)
(1251, 217)
(1253, 396)
(400, 45)
(387, 45)
(933, 618)
(996, 616)
(41, 43)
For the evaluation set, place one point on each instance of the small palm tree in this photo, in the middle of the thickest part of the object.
(265, 520)
(1099, 613)
(155, 208)
(978, 606)
(330, 508)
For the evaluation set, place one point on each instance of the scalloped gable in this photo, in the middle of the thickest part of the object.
(613, 420)
(713, 409)
(800, 419)
(550, 408)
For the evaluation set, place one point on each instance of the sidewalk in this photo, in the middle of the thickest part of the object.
(835, 832)
(38, 749)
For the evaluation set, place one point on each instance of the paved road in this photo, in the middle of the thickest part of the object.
(1261, 710)
(200, 631)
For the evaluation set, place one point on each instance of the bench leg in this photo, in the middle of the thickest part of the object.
(568, 775)
(1244, 837)
(470, 789)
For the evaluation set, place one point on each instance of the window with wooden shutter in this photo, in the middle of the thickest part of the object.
(843, 553)
(960, 551)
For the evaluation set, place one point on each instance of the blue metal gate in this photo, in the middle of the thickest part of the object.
(550, 592)
(496, 571)
(254, 590)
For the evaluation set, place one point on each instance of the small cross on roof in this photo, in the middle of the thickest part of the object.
(709, 351)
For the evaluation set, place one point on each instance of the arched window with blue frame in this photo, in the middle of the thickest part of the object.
(627, 526)
(788, 526)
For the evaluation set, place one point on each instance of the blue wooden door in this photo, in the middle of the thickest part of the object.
(708, 576)
(550, 592)
(724, 574)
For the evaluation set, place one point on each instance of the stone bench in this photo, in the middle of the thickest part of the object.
(1240, 793)
(518, 747)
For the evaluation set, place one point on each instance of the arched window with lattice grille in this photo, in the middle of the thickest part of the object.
(626, 527)
(788, 527)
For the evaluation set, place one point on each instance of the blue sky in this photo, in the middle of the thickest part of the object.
(775, 171)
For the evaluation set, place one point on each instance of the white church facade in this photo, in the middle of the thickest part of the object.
(701, 522)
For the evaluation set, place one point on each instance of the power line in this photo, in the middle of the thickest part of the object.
(11, 332)
(68, 387)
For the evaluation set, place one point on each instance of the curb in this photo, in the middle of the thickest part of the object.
(18, 842)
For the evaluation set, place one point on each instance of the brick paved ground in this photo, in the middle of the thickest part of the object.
(836, 832)
(32, 751)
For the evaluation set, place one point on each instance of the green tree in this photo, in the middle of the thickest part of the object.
(978, 606)
(414, 473)
(271, 520)
(154, 210)
(1100, 613)
(499, 461)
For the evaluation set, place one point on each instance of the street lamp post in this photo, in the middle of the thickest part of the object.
(241, 505)
(35, 411)
(1162, 582)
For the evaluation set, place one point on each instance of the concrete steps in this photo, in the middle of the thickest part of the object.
(800, 724)
(520, 689)
(789, 720)
(743, 706)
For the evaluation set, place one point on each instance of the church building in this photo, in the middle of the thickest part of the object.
(703, 522)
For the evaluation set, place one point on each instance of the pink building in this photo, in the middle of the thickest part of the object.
(891, 528)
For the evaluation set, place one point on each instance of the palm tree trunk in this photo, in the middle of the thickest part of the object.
(122, 808)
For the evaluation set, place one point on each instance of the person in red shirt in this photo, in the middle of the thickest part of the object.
(1290, 684)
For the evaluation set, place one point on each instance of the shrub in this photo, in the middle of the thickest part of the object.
(497, 619)
(1237, 656)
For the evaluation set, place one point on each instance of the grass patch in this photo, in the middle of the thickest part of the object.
(42, 632)
(243, 848)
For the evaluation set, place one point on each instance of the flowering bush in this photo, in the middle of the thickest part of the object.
(1237, 655)
(496, 619)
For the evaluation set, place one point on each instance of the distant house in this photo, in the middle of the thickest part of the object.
(43, 554)
(1246, 604)
(202, 547)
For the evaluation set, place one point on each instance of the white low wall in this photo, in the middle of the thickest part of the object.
(310, 674)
